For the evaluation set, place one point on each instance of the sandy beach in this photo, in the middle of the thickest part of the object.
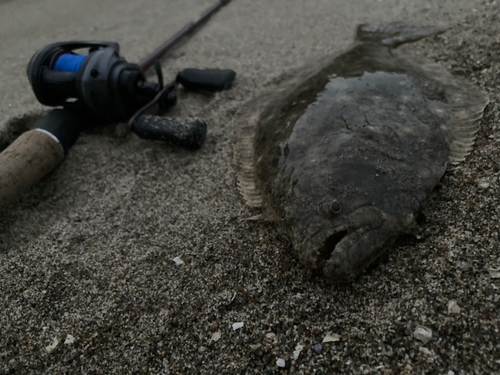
(88, 282)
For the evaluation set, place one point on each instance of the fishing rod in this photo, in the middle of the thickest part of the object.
(102, 87)
(159, 52)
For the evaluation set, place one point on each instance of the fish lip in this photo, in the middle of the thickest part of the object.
(327, 233)
(317, 248)
(330, 244)
(322, 248)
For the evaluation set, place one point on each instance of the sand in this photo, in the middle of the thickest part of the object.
(88, 281)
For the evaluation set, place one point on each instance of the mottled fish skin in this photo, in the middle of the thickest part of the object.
(344, 158)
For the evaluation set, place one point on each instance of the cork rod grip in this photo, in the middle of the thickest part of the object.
(27, 160)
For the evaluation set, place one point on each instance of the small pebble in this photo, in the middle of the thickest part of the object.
(423, 334)
(280, 362)
(331, 337)
(238, 325)
(69, 340)
(426, 351)
(484, 184)
(494, 273)
(53, 346)
(216, 336)
(178, 261)
(318, 348)
(453, 308)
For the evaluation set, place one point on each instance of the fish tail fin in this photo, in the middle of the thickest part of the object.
(395, 33)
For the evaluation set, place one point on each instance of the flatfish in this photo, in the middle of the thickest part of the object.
(342, 154)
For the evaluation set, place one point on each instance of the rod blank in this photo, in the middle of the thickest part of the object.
(149, 60)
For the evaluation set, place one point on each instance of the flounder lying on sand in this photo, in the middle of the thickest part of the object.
(343, 154)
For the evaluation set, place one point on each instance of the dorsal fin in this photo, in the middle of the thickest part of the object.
(467, 107)
(246, 128)
(394, 34)
(244, 132)
(244, 139)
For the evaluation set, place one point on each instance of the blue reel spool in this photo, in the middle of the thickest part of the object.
(69, 62)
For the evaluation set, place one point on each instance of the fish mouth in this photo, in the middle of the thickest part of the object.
(343, 252)
(315, 250)
(330, 243)
(325, 251)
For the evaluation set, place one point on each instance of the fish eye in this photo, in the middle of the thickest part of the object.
(336, 207)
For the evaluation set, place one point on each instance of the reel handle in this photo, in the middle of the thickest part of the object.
(188, 133)
(208, 80)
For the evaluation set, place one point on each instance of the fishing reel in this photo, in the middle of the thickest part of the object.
(104, 85)
(94, 84)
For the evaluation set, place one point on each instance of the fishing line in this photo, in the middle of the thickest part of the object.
(69, 62)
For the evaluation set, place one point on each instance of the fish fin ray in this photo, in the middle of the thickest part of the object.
(467, 107)
(244, 134)
(247, 124)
